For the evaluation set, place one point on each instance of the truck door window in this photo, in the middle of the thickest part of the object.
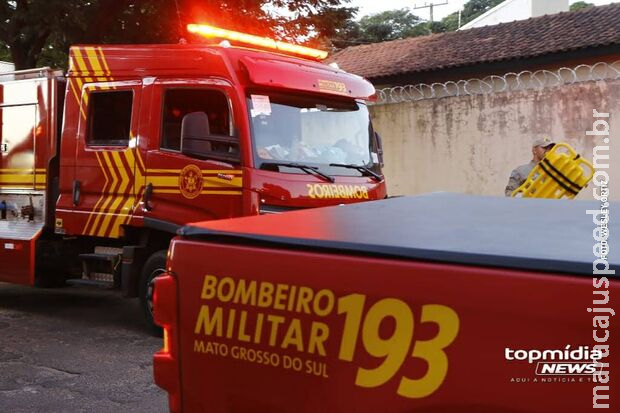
(180, 102)
(109, 121)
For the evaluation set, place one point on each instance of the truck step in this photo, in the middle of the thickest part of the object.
(108, 250)
(101, 265)
(101, 276)
(90, 283)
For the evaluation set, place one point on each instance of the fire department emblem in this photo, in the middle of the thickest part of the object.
(190, 181)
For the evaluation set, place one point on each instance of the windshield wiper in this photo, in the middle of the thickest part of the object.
(361, 168)
(311, 170)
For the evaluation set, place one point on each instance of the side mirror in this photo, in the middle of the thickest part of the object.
(379, 143)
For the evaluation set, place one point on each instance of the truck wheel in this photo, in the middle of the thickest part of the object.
(154, 266)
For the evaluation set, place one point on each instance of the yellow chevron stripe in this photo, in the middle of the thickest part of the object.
(72, 62)
(131, 202)
(80, 62)
(120, 179)
(107, 217)
(103, 60)
(124, 180)
(80, 83)
(101, 197)
(106, 202)
(121, 218)
(72, 83)
(109, 194)
(134, 162)
(88, 227)
(83, 68)
(93, 58)
(115, 232)
(141, 163)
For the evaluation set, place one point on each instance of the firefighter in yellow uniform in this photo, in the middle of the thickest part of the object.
(540, 147)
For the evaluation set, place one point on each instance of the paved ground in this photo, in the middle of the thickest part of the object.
(75, 350)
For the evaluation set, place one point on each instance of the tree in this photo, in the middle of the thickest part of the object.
(580, 5)
(389, 25)
(475, 8)
(380, 27)
(25, 28)
(36, 31)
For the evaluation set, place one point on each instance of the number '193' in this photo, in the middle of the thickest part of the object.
(395, 348)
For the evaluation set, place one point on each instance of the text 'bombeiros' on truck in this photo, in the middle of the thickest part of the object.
(100, 166)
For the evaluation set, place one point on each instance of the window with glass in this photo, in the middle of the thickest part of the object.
(109, 122)
(181, 102)
(317, 131)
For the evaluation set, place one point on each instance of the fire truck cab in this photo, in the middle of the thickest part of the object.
(101, 166)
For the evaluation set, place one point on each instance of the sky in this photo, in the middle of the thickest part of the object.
(377, 6)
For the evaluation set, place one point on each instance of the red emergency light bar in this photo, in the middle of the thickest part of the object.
(210, 31)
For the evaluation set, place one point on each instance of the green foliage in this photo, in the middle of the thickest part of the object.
(5, 53)
(580, 5)
(389, 25)
(39, 32)
(475, 8)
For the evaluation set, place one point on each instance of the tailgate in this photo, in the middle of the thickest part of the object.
(265, 329)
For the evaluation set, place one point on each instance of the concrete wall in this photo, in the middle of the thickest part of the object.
(470, 144)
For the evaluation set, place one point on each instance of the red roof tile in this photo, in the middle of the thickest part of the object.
(592, 27)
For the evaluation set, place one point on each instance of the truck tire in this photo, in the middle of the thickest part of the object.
(154, 266)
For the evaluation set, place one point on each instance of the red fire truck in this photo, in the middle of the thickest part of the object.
(101, 166)
(439, 303)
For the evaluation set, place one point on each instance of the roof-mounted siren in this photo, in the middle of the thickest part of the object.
(264, 42)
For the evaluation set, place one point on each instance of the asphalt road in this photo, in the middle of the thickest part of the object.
(75, 350)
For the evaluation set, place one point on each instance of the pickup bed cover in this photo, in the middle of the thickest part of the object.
(527, 234)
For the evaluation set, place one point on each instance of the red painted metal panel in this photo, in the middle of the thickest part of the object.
(272, 72)
(17, 261)
(393, 335)
(302, 190)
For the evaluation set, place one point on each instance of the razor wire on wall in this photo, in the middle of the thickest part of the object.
(525, 80)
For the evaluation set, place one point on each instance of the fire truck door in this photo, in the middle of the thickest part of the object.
(104, 186)
(188, 186)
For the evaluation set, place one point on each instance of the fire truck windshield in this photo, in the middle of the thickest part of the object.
(315, 131)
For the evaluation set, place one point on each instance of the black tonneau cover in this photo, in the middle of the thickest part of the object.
(528, 234)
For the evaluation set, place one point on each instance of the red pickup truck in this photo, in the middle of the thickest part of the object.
(435, 303)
